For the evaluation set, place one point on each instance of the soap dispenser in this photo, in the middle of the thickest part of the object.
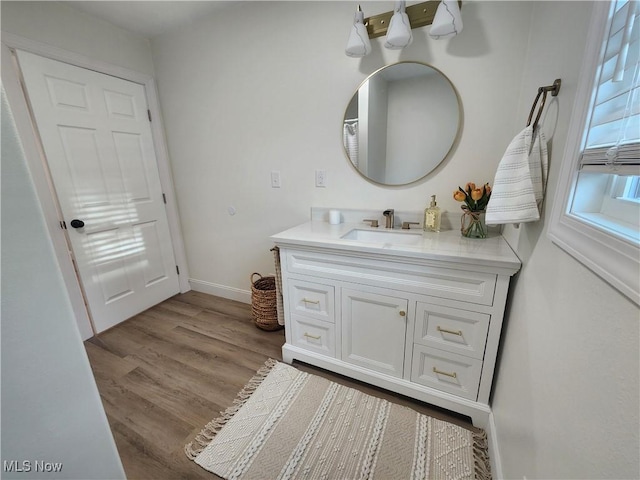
(432, 215)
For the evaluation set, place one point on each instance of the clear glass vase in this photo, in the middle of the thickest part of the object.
(472, 224)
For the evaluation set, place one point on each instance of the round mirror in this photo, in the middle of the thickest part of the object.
(401, 123)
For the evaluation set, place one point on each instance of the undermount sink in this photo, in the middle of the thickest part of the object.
(383, 236)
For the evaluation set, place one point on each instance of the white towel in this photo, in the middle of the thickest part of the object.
(518, 188)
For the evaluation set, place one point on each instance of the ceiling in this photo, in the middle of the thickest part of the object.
(149, 18)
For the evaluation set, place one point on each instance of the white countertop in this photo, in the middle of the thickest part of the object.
(446, 246)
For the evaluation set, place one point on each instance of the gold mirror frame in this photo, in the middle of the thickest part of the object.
(431, 125)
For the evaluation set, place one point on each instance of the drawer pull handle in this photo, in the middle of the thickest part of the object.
(402, 313)
(444, 330)
(308, 335)
(438, 372)
(306, 300)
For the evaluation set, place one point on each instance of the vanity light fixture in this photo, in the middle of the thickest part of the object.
(447, 22)
(399, 30)
(443, 16)
(358, 44)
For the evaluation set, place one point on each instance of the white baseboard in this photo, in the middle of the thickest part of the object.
(494, 451)
(223, 291)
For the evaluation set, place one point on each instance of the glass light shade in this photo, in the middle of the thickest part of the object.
(447, 21)
(399, 32)
(358, 44)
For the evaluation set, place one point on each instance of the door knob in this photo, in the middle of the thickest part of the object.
(402, 313)
(75, 223)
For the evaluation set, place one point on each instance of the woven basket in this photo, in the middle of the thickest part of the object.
(263, 302)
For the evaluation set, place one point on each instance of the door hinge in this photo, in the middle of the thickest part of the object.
(164, 198)
(63, 225)
(177, 269)
(149, 114)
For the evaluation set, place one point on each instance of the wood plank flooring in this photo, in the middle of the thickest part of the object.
(165, 373)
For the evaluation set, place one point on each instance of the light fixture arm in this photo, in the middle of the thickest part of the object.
(419, 15)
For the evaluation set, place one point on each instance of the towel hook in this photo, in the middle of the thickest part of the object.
(554, 89)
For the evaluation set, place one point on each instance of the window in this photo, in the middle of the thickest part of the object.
(597, 216)
(631, 190)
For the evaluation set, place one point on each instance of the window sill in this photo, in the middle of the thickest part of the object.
(624, 230)
(615, 260)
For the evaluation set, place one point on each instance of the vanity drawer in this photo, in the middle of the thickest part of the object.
(313, 335)
(461, 285)
(312, 300)
(450, 329)
(445, 371)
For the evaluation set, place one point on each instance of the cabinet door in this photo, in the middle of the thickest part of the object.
(374, 328)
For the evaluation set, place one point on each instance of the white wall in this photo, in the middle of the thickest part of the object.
(376, 122)
(566, 393)
(264, 86)
(51, 410)
(64, 27)
(423, 121)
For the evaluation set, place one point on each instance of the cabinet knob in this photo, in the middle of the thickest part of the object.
(402, 313)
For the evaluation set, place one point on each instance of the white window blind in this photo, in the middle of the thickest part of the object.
(613, 135)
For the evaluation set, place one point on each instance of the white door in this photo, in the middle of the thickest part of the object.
(374, 331)
(97, 140)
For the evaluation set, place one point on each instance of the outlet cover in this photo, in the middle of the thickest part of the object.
(321, 178)
(275, 179)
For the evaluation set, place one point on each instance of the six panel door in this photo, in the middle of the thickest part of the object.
(97, 140)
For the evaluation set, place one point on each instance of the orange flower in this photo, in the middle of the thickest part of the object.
(459, 196)
(487, 188)
(476, 193)
(470, 186)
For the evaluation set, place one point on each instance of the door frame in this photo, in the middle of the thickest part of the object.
(36, 160)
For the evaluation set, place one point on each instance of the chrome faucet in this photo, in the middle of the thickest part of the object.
(388, 214)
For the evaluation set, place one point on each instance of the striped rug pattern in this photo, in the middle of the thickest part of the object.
(288, 424)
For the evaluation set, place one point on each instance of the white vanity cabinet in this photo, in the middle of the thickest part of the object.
(423, 321)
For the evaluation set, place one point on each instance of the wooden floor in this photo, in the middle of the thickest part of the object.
(165, 373)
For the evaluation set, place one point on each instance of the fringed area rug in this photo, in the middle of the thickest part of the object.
(290, 424)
